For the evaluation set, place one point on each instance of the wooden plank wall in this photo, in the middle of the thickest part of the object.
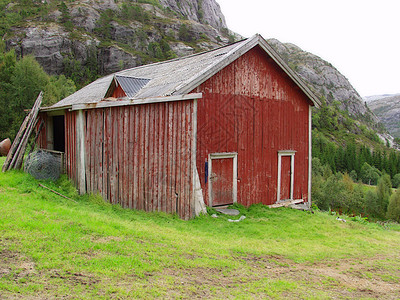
(253, 108)
(140, 156)
(42, 138)
(70, 145)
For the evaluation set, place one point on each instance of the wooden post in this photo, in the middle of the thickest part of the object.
(80, 152)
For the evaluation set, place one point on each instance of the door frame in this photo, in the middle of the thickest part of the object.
(281, 153)
(212, 156)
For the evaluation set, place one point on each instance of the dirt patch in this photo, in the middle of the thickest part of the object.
(15, 265)
(255, 276)
(75, 278)
(333, 279)
(19, 270)
(350, 280)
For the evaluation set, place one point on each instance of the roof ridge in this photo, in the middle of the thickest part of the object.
(203, 75)
(179, 58)
(134, 77)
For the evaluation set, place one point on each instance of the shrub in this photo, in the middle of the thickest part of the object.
(393, 212)
(184, 34)
(383, 192)
(369, 174)
(353, 175)
(396, 181)
(333, 194)
(371, 202)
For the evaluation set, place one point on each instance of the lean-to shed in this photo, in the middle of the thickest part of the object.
(224, 126)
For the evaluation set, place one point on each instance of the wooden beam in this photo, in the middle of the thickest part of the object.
(105, 104)
(286, 203)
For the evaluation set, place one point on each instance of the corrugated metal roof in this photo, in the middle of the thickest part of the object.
(178, 76)
(131, 85)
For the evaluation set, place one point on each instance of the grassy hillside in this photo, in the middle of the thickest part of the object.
(52, 247)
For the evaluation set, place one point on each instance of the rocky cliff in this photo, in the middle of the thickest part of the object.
(104, 36)
(201, 11)
(84, 39)
(387, 109)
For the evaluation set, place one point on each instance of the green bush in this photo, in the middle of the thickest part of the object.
(393, 212)
(369, 175)
(396, 181)
(371, 202)
(383, 191)
(377, 202)
(337, 194)
(184, 34)
(353, 175)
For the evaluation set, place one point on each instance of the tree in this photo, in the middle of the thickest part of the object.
(8, 61)
(396, 181)
(383, 191)
(356, 201)
(20, 84)
(369, 174)
(371, 202)
(65, 16)
(353, 175)
(27, 80)
(393, 212)
(58, 88)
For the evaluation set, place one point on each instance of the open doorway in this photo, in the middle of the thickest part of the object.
(58, 133)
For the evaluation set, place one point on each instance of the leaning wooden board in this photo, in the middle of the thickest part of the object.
(18, 147)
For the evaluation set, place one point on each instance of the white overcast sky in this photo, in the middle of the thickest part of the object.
(361, 38)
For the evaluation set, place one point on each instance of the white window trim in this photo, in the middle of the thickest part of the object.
(281, 153)
(212, 156)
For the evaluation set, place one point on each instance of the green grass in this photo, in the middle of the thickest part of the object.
(52, 247)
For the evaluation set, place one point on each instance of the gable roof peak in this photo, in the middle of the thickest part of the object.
(178, 76)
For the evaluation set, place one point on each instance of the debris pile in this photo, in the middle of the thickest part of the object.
(15, 156)
(43, 165)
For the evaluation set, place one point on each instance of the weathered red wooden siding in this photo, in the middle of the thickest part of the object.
(42, 137)
(140, 156)
(118, 92)
(70, 145)
(253, 108)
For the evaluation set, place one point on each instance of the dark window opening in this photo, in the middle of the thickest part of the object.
(59, 133)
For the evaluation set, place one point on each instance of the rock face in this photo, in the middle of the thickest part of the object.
(117, 34)
(201, 11)
(325, 80)
(387, 109)
(105, 36)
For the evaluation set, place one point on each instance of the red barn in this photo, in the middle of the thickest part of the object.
(224, 126)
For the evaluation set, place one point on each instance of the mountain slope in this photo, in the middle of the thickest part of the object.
(387, 109)
(325, 81)
(85, 39)
(104, 36)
